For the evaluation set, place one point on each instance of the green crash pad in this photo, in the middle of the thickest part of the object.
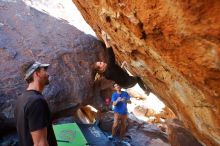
(69, 135)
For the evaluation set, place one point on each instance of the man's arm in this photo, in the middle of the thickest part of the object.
(105, 39)
(124, 65)
(40, 137)
(127, 98)
(117, 101)
(38, 119)
(111, 55)
(110, 52)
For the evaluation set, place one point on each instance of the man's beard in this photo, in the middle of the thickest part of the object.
(45, 81)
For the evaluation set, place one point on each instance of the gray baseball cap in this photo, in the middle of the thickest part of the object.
(33, 68)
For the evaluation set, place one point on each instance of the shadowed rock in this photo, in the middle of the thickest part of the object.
(178, 135)
(140, 133)
(27, 34)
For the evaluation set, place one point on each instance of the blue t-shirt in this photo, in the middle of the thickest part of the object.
(121, 107)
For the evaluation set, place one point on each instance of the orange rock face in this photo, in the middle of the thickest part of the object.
(175, 47)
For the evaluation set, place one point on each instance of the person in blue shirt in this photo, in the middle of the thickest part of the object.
(120, 99)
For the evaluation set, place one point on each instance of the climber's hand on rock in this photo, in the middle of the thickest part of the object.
(147, 91)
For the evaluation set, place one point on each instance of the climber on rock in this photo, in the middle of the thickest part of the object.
(114, 72)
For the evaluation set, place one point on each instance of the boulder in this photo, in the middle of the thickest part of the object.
(178, 135)
(28, 34)
(139, 133)
(174, 47)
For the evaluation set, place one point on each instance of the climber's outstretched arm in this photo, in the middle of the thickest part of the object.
(124, 64)
(106, 39)
(110, 52)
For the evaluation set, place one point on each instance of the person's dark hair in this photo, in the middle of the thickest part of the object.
(24, 69)
(94, 66)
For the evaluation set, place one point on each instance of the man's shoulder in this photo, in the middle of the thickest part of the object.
(125, 94)
(32, 97)
(32, 94)
(115, 93)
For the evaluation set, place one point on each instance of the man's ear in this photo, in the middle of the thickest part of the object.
(37, 73)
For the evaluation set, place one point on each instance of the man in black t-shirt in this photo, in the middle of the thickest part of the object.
(32, 114)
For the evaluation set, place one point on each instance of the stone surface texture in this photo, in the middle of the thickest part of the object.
(140, 133)
(28, 34)
(178, 135)
(175, 47)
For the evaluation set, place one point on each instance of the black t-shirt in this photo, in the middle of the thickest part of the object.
(32, 113)
(115, 72)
